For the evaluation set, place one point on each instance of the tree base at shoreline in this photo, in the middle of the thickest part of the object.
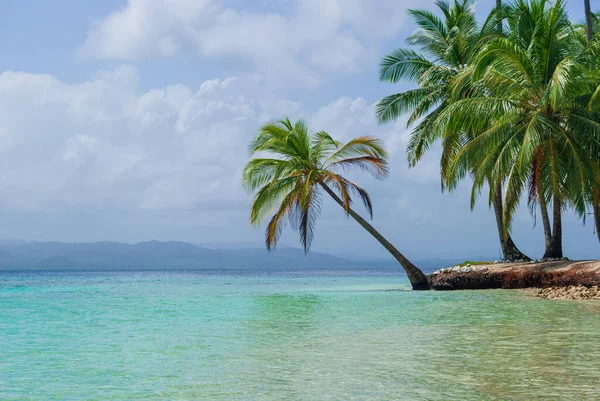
(421, 286)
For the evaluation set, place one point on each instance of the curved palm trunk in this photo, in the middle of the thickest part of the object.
(417, 278)
(588, 20)
(510, 252)
(555, 249)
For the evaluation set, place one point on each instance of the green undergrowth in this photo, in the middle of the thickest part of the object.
(473, 263)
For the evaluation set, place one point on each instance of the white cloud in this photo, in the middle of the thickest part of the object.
(100, 143)
(103, 144)
(295, 38)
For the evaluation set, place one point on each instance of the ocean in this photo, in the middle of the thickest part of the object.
(288, 335)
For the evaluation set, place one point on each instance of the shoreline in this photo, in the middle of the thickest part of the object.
(562, 279)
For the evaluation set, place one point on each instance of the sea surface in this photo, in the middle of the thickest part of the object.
(264, 335)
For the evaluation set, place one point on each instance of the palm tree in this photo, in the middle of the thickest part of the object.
(593, 51)
(298, 165)
(536, 129)
(442, 70)
(590, 21)
(584, 33)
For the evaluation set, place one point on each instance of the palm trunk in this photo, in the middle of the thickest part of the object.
(596, 207)
(588, 20)
(417, 278)
(597, 219)
(545, 222)
(498, 5)
(510, 252)
(555, 249)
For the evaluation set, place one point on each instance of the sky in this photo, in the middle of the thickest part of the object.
(129, 120)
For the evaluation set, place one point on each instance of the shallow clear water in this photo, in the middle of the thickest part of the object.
(286, 336)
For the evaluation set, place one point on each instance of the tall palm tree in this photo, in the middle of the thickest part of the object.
(590, 21)
(442, 70)
(593, 51)
(297, 167)
(586, 34)
(536, 127)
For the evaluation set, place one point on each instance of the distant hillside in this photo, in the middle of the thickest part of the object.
(21, 255)
(154, 255)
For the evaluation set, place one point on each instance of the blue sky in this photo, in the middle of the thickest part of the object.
(128, 121)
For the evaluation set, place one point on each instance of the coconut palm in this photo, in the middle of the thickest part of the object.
(297, 167)
(587, 34)
(442, 70)
(594, 106)
(591, 22)
(536, 127)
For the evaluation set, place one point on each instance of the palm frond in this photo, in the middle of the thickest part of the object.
(403, 64)
(391, 107)
(358, 147)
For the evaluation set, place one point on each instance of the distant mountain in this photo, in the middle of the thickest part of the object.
(155, 255)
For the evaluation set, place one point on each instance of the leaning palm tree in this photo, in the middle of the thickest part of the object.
(297, 166)
(442, 69)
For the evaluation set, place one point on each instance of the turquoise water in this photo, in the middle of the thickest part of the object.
(287, 336)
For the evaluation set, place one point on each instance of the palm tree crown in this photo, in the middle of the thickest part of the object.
(440, 67)
(290, 180)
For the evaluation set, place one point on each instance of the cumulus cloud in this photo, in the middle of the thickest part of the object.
(102, 143)
(105, 145)
(295, 38)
